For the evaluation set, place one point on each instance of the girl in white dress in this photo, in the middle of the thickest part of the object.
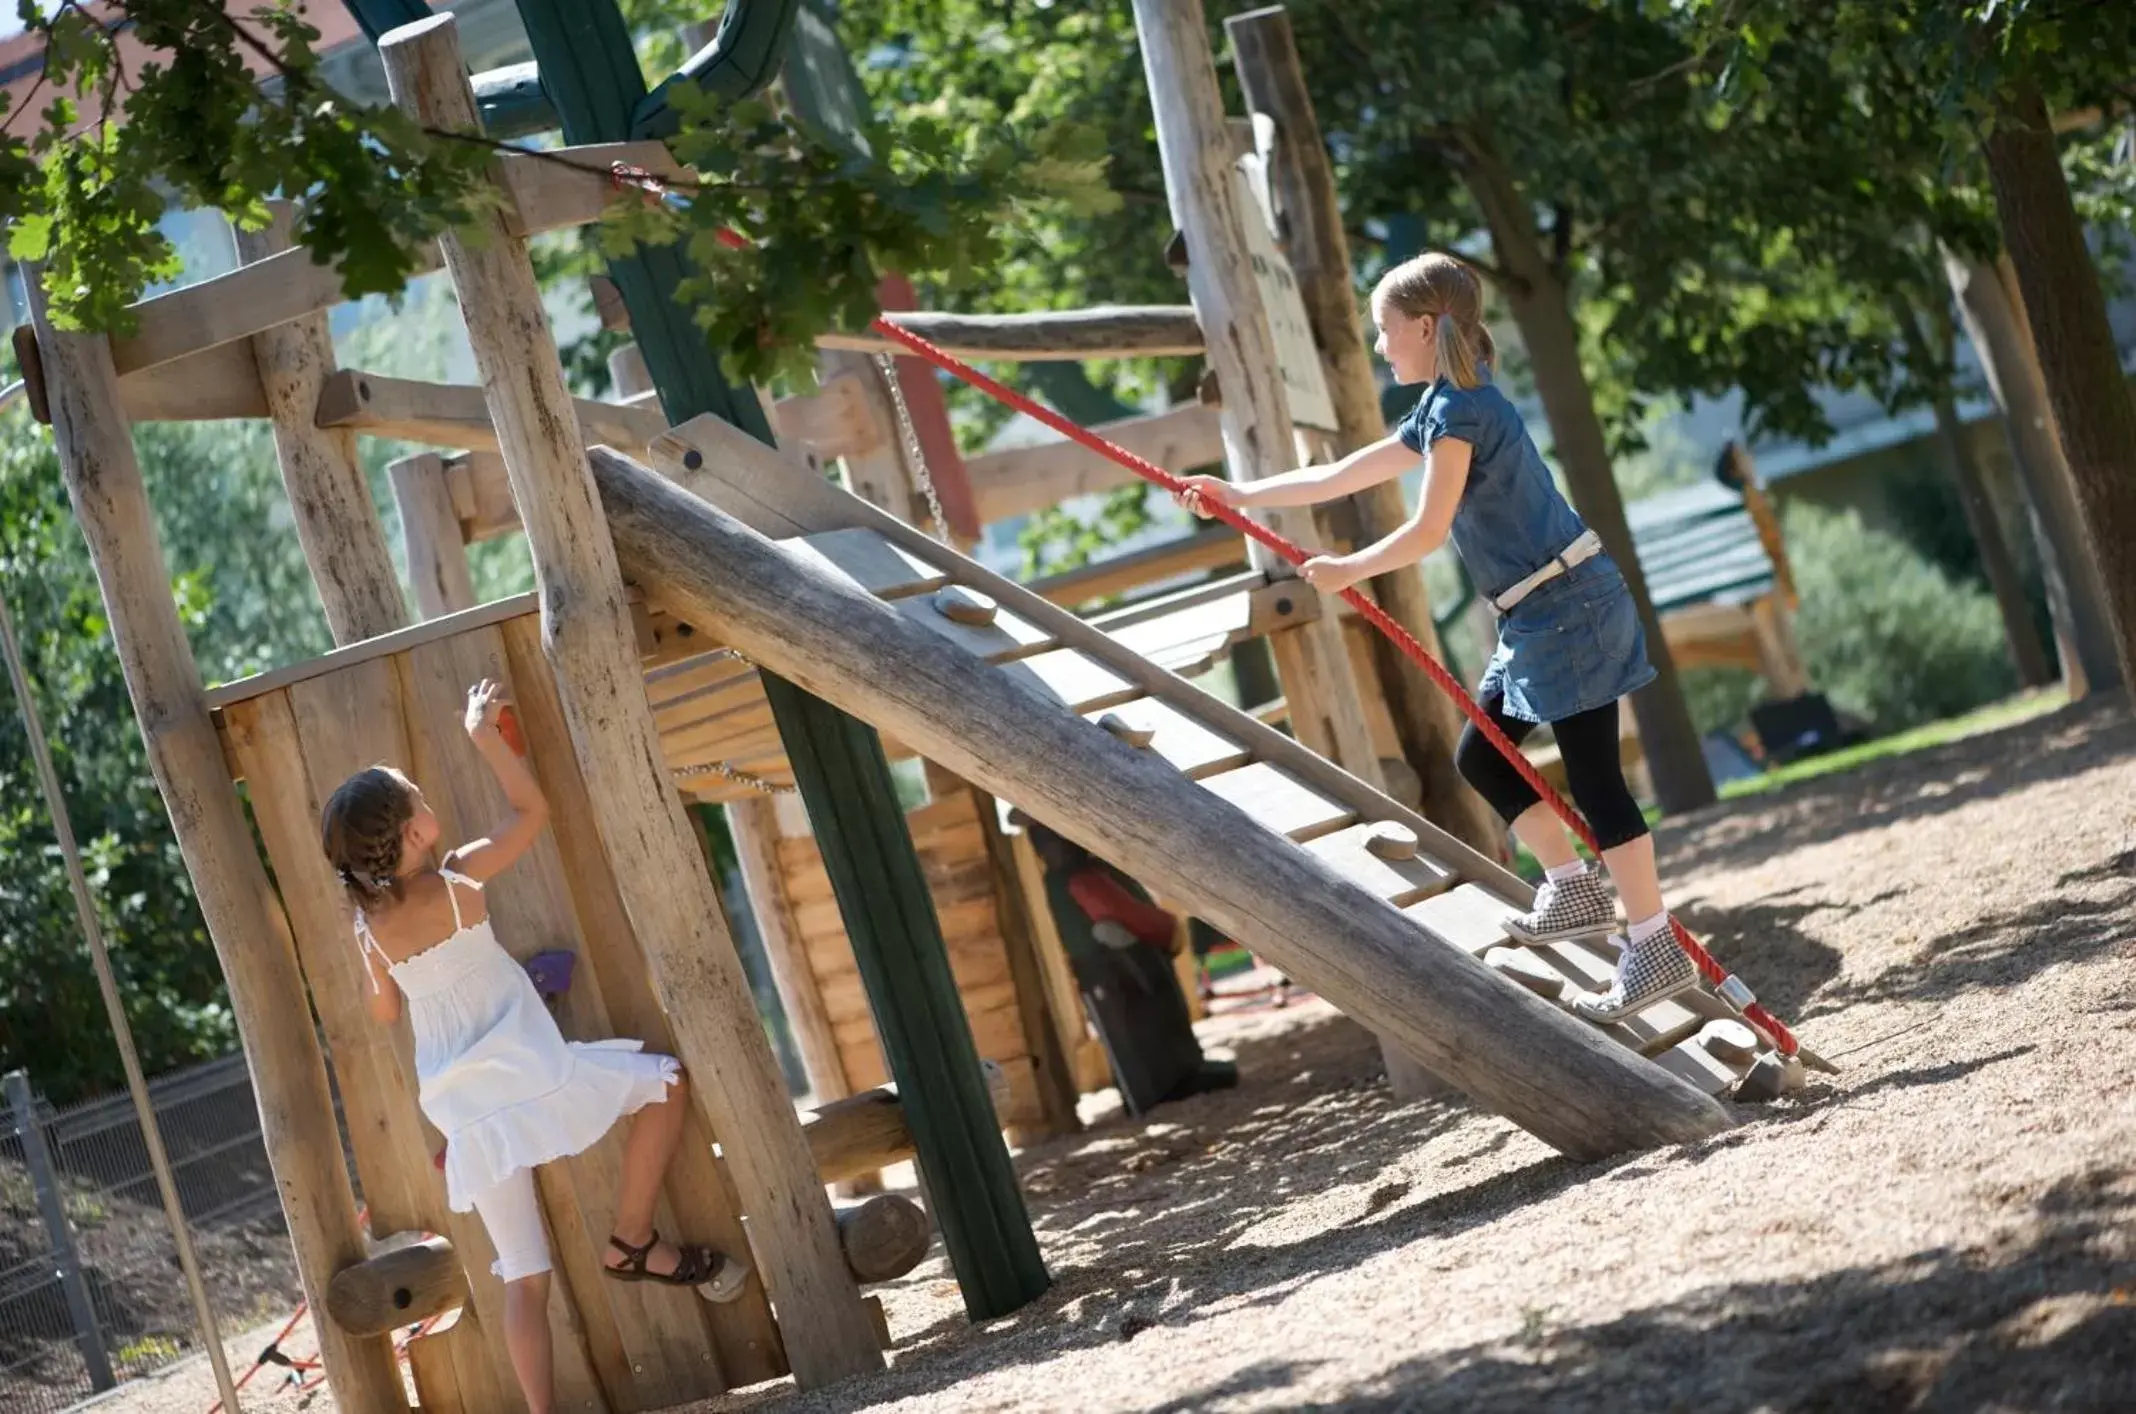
(496, 1077)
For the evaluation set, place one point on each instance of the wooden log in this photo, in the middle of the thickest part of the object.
(457, 415)
(1539, 1067)
(328, 494)
(883, 1238)
(1107, 331)
(430, 536)
(1026, 479)
(397, 1288)
(867, 1132)
(661, 874)
(250, 933)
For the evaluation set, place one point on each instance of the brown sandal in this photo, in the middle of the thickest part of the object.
(716, 1276)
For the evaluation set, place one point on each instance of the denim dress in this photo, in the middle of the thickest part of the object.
(1575, 643)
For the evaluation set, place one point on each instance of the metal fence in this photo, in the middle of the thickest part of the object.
(90, 1289)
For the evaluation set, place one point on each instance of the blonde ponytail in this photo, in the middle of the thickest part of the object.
(1442, 289)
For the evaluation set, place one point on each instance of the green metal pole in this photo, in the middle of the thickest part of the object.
(590, 72)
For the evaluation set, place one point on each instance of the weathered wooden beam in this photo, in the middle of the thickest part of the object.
(457, 415)
(542, 194)
(432, 540)
(659, 870)
(1551, 1074)
(868, 1132)
(250, 932)
(1108, 331)
(329, 497)
(1022, 480)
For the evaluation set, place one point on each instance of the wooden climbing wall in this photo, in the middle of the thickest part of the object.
(292, 736)
(953, 855)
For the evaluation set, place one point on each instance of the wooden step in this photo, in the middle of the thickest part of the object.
(866, 558)
(1469, 918)
(1694, 1064)
(1591, 965)
(1077, 681)
(1279, 801)
(1191, 747)
(1003, 639)
(1400, 882)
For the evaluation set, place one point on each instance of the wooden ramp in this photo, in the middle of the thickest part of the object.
(1394, 921)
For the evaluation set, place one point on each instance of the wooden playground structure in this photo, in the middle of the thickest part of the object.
(715, 620)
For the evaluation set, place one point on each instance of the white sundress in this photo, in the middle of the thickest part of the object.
(495, 1076)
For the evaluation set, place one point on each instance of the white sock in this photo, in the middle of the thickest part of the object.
(1565, 871)
(1650, 927)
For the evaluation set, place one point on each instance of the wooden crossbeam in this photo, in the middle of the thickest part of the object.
(1021, 480)
(544, 192)
(1107, 331)
(456, 415)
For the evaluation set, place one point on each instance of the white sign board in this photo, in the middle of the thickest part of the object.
(1305, 383)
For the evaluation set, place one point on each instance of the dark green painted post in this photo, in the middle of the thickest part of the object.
(590, 72)
(927, 1041)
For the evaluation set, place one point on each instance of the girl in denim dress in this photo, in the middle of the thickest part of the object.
(1570, 642)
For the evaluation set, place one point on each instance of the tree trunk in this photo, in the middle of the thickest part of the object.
(1542, 307)
(1995, 322)
(2086, 388)
(2004, 581)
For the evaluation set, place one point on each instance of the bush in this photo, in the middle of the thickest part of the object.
(1886, 634)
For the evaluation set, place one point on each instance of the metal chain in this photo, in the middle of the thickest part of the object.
(726, 770)
(915, 455)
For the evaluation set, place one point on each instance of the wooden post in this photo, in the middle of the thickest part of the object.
(1266, 58)
(1013, 907)
(336, 522)
(431, 537)
(244, 919)
(1995, 321)
(1556, 1076)
(1202, 185)
(587, 637)
(754, 824)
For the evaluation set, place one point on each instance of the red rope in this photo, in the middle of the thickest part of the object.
(1377, 617)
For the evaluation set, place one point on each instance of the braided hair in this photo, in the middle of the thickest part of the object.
(361, 832)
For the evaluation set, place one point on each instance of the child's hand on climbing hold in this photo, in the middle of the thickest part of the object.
(485, 701)
(1330, 574)
(1200, 495)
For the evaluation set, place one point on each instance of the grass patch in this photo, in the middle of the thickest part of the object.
(1996, 715)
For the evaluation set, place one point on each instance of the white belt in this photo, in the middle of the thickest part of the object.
(1585, 548)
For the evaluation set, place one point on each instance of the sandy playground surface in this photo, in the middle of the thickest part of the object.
(1951, 1225)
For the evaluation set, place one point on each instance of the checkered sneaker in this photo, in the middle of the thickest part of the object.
(1648, 972)
(1578, 907)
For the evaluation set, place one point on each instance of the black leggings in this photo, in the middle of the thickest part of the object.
(1587, 743)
